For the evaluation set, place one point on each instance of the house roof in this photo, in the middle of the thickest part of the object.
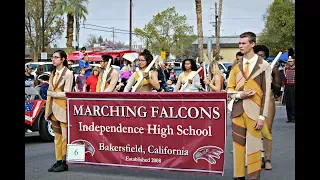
(224, 40)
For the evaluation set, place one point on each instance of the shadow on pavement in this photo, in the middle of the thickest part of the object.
(143, 174)
(33, 140)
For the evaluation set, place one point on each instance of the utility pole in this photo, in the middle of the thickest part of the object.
(130, 26)
(113, 36)
(216, 18)
(214, 21)
(42, 25)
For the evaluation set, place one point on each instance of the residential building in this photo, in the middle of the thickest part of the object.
(229, 46)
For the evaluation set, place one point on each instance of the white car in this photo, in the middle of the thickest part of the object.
(48, 67)
(224, 71)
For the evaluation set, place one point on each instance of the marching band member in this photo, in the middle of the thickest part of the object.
(250, 78)
(60, 82)
(108, 78)
(263, 52)
(216, 84)
(288, 83)
(189, 76)
(150, 79)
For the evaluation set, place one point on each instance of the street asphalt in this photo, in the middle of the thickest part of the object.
(40, 156)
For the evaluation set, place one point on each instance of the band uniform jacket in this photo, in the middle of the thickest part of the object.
(260, 81)
(56, 96)
(111, 81)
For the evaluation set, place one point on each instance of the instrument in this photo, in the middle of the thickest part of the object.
(134, 88)
(105, 74)
(186, 83)
(275, 60)
(205, 75)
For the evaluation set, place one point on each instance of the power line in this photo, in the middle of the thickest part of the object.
(122, 32)
(106, 30)
(105, 27)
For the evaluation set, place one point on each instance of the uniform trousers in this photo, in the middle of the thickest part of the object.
(246, 138)
(60, 141)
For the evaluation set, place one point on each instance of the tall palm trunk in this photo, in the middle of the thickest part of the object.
(70, 21)
(77, 25)
(77, 35)
(218, 30)
(199, 29)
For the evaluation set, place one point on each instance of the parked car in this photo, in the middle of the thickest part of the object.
(222, 68)
(40, 124)
(227, 64)
(224, 71)
(48, 67)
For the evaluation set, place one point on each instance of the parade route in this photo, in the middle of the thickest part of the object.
(40, 156)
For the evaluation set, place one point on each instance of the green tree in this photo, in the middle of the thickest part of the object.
(92, 39)
(279, 31)
(165, 31)
(184, 48)
(100, 40)
(53, 25)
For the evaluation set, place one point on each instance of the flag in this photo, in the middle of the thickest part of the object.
(32, 110)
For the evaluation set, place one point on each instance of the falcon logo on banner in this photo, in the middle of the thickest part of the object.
(32, 109)
(208, 153)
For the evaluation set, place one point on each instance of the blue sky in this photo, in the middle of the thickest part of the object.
(237, 16)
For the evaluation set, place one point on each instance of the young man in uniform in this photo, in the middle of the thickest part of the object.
(108, 78)
(289, 89)
(250, 81)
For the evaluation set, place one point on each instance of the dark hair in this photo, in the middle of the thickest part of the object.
(40, 69)
(83, 48)
(263, 48)
(44, 77)
(147, 55)
(193, 65)
(239, 53)
(71, 61)
(106, 57)
(250, 35)
(290, 52)
(62, 55)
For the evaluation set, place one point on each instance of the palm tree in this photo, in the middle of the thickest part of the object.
(81, 12)
(69, 7)
(199, 28)
(218, 30)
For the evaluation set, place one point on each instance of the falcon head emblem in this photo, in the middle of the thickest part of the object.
(88, 146)
(208, 153)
